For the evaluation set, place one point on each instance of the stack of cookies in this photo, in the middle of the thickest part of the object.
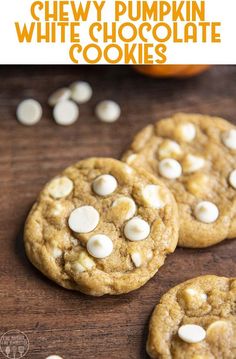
(105, 227)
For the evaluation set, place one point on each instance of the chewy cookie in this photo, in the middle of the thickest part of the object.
(102, 227)
(196, 157)
(195, 320)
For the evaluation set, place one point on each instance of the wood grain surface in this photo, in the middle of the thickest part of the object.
(63, 322)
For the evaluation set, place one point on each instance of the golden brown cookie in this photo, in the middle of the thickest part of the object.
(196, 157)
(102, 227)
(195, 320)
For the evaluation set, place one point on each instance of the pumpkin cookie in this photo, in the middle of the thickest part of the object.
(196, 319)
(102, 227)
(196, 157)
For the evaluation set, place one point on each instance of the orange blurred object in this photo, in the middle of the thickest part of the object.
(171, 70)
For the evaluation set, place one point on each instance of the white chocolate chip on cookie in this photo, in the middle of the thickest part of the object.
(154, 196)
(170, 168)
(56, 252)
(131, 158)
(83, 219)
(232, 179)
(60, 187)
(83, 263)
(192, 163)
(193, 297)
(206, 212)
(126, 207)
(185, 132)
(59, 95)
(218, 328)
(104, 185)
(136, 229)
(81, 92)
(54, 357)
(169, 149)
(191, 333)
(100, 246)
(137, 259)
(229, 139)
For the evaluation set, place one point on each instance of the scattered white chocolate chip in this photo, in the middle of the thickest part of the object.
(83, 219)
(59, 95)
(131, 158)
(192, 163)
(232, 179)
(108, 111)
(229, 139)
(170, 149)
(136, 229)
(65, 113)
(154, 196)
(126, 205)
(78, 267)
(56, 252)
(60, 187)
(170, 168)
(136, 258)
(186, 131)
(191, 333)
(104, 185)
(206, 212)
(100, 246)
(194, 297)
(54, 357)
(29, 112)
(81, 92)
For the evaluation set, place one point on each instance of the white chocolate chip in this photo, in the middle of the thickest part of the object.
(218, 327)
(126, 206)
(232, 179)
(137, 259)
(54, 357)
(128, 169)
(78, 267)
(186, 131)
(191, 333)
(81, 92)
(169, 148)
(131, 158)
(59, 95)
(60, 187)
(194, 297)
(154, 196)
(56, 252)
(104, 185)
(206, 212)
(195, 293)
(149, 254)
(100, 246)
(29, 112)
(65, 113)
(136, 229)
(108, 111)
(229, 139)
(83, 263)
(83, 219)
(192, 163)
(170, 168)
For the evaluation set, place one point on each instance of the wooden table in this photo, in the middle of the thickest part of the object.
(55, 320)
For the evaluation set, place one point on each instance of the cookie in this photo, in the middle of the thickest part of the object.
(102, 227)
(195, 320)
(196, 157)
